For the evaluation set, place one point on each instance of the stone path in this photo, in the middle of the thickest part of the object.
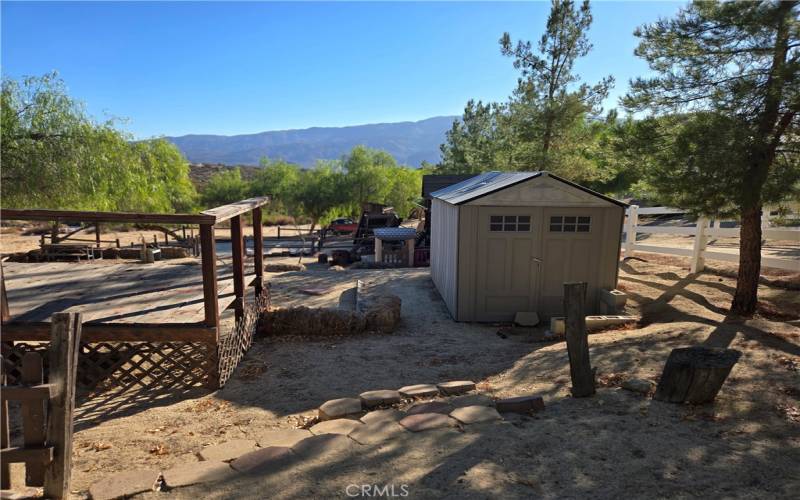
(344, 426)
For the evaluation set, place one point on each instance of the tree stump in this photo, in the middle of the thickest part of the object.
(580, 368)
(695, 374)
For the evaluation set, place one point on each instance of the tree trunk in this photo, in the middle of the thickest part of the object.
(746, 297)
(695, 374)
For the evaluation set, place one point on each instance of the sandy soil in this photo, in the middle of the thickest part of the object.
(615, 444)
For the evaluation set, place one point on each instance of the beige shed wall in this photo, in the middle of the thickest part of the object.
(445, 251)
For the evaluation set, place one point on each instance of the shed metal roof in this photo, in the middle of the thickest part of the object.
(491, 182)
(434, 182)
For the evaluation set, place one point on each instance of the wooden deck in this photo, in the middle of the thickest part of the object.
(134, 301)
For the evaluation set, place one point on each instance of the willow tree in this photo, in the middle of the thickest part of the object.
(733, 69)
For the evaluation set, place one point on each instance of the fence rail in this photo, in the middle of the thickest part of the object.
(701, 231)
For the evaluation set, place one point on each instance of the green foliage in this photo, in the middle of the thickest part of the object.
(225, 187)
(277, 179)
(55, 156)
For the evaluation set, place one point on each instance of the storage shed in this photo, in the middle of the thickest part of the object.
(505, 242)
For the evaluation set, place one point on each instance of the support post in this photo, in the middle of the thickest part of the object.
(580, 368)
(237, 248)
(698, 260)
(33, 430)
(378, 250)
(279, 231)
(209, 265)
(5, 435)
(65, 335)
(410, 245)
(5, 313)
(97, 234)
(630, 229)
(258, 250)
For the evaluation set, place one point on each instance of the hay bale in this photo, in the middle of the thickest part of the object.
(283, 268)
(174, 253)
(111, 253)
(382, 312)
(305, 321)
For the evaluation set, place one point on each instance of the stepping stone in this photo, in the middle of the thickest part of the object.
(198, 472)
(343, 426)
(390, 415)
(430, 407)
(456, 387)
(371, 399)
(471, 400)
(426, 421)
(263, 459)
(324, 445)
(376, 432)
(227, 451)
(339, 408)
(123, 484)
(521, 404)
(281, 437)
(419, 391)
(475, 414)
(638, 385)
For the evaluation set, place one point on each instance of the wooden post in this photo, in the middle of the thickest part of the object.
(410, 244)
(65, 336)
(5, 436)
(258, 250)
(183, 232)
(279, 231)
(237, 248)
(155, 239)
(166, 238)
(33, 417)
(630, 229)
(698, 261)
(118, 245)
(208, 258)
(97, 234)
(580, 368)
(5, 313)
(378, 250)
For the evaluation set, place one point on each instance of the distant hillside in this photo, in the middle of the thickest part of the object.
(409, 142)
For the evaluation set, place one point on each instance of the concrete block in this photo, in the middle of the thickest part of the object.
(616, 299)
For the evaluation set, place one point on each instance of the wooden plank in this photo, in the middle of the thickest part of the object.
(5, 436)
(688, 231)
(258, 250)
(84, 216)
(64, 349)
(33, 425)
(100, 332)
(580, 368)
(237, 250)
(39, 392)
(5, 313)
(231, 210)
(16, 454)
(209, 266)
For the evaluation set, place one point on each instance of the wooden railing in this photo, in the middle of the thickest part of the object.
(47, 436)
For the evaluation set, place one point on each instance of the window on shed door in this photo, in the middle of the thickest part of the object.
(510, 223)
(570, 224)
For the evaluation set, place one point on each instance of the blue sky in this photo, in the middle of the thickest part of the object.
(231, 68)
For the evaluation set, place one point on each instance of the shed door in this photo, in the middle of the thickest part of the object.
(509, 242)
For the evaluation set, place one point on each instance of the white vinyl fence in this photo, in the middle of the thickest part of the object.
(701, 232)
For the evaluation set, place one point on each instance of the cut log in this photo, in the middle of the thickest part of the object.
(580, 368)
(695, 374)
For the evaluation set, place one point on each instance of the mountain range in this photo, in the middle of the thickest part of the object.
(410, 143)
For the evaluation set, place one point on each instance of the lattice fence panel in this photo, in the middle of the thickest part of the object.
(235, 344)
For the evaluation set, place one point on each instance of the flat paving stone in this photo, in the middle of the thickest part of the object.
(389, 415)
(426, 421)
(471, 400)
(198, 472)
(520, 404)
(339, 408)
(456, 387)
(376, 432)
(430, 407)
(371, 399)
(419, 391)
(227, 451)
(124, 484)
(343, 426)
(325, 446)
(475, 414)
(263, 460)
(281, 437)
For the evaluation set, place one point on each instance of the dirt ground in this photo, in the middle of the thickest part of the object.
(616, 444)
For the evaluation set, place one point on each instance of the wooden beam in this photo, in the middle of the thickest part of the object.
(230, 211)
(237, 248)
(83, 216)
(258, 250)
(580, 368)
(33, 426)
(5, 436)
(40, 392)
(5, 314)
(17, 454)
(208, 252)
(107, 332)
(64, 349)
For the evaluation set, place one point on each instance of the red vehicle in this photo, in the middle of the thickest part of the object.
(342, 226)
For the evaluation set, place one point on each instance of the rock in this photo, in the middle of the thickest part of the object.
(520, 404)
(282, 437)
(282, 268)
(339, 408)
(325, 446)
(264, 460)
(475, 414)
(343, 426)
(123, 484)
(638, 385)
(471, 400)
(456, 387)
(419, 391)
(382, 312)
(371, 399)
(430, 407)
(390, 415)
(426, 421)
(227, 451)
(198, 472)
(526, 318)
(376, 432)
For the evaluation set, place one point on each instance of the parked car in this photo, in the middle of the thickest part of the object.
(342, 226)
